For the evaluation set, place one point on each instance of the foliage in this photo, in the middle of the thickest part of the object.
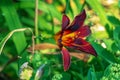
(18, 42)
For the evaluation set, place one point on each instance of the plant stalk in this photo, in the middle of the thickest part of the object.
(36, 21)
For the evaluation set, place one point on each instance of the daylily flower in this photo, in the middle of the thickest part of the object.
(73, 36)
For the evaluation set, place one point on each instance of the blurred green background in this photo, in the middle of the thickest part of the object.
(17, 19)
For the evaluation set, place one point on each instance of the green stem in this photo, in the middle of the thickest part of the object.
(36, 21)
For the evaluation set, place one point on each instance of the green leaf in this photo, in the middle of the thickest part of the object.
(27, 21)
(107, 70)
(114, 20)
(99, 75)
(54, 12)
(91, 74)
(49, 9)
(110, 45)
(46, 72)
(13, 22)
(25, 5)
(79, 6)
(77, 75)
(4, 40)
(66, 76)
(102, 52)
(67, 6)
(116, 36)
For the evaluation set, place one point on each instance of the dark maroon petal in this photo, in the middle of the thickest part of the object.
(83, 31)
(78, 21)
(84, 46)
(66, 58)
(65, 22)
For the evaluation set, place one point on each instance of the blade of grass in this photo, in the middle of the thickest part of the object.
(13, 22)
(79, 6)
(3, 42)
(67, 6)
(74, 7)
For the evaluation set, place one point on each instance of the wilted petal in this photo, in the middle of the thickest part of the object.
(66, 58)
(65, 22)
(83, 31)
(84, 46)
(78, 21)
